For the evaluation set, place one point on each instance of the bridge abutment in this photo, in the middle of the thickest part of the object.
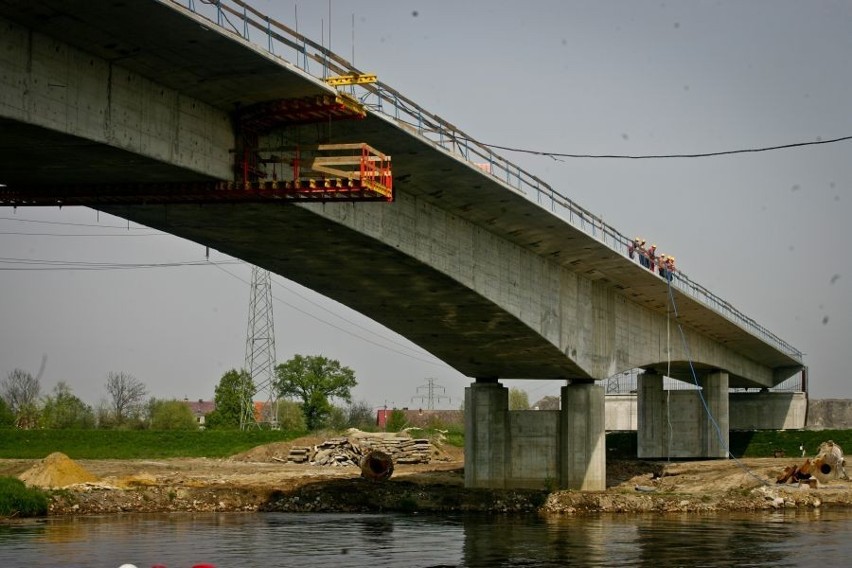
(678, 424)
(534, 448)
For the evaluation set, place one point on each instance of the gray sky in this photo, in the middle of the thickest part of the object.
(768, 232)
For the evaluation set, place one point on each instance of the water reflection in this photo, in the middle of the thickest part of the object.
(760, 539)
(181, 540)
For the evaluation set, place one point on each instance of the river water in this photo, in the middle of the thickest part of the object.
(785, 538)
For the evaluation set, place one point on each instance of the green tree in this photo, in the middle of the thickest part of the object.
(315, 379)
(358, 415)
(232, 392)
(290, 417)
(64, 410)
(172, 415)
(361, 415)
(336, 419)
(518, 399)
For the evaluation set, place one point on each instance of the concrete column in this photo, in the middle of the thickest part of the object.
(582, 444)
(716, 425)
(486, 441)
(651, 435)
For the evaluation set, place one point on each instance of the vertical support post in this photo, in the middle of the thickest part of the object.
(582, 444)
(715, 432)
(486, 442)
(651, 424)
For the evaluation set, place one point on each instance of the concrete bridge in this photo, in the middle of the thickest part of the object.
(476, 260)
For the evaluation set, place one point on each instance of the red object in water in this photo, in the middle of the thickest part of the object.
(203, 566)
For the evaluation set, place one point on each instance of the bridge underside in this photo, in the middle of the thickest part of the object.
(457, 325)
(36, 155)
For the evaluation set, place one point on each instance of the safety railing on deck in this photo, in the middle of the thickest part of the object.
(237, 17)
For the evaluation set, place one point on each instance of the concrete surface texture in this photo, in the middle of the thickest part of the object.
(535, 448)
(682, 423)
(747, 411)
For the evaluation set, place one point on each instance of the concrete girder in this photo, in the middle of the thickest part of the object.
(486, 306)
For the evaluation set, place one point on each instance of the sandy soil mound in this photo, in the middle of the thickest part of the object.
(56, 470)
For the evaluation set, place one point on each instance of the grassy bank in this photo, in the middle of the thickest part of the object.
(755, 444)
(18, 500)
(133, 444)
(145, 444)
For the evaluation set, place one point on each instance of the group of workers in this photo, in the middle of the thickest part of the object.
(664, 264)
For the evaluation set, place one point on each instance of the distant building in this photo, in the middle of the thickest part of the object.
(200, 409)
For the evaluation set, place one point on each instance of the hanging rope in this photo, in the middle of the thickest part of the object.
(725, 445)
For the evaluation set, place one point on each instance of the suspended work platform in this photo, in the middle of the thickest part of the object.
(325, 172)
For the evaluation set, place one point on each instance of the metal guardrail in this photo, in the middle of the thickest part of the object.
(237, 17)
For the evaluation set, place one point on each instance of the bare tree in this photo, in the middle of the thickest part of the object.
(20, 390)
(127, 395)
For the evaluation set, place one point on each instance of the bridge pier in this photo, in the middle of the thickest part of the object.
(583, 437)
(486, 413)
(676, 424)
(535, 448)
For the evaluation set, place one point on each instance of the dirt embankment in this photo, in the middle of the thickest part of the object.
(257, 481)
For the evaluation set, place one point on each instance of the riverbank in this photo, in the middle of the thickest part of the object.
(255, 481)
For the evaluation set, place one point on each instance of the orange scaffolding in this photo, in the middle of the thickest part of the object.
(326, 172)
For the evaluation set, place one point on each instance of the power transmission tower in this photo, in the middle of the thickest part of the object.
(430, 397)
(260, 351)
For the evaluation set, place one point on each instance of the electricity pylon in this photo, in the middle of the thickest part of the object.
(430, 397)
(260, 352)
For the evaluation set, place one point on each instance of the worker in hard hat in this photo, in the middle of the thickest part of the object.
(652, 257)
(632, 246)
(643, 254)
(661, 266)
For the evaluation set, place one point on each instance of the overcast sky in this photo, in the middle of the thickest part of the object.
(769, 232)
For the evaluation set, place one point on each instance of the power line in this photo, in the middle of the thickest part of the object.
(33, 264)
(350, 322)
(640, 156)
(662, 156)
(84, 234)
(69, 224)
(337, 327)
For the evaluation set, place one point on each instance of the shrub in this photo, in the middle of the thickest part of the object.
(18, 500)
(396, 421)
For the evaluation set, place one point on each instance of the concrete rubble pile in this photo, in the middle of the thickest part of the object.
(348, 451)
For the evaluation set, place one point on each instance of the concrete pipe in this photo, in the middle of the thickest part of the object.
(822, 470)
(376, 466)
